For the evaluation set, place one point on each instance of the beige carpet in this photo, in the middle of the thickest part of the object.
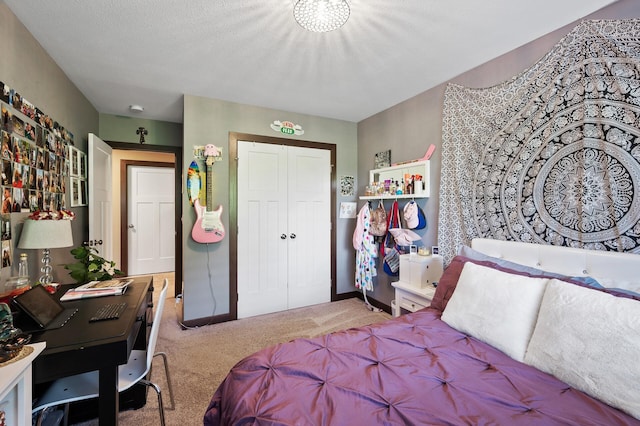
(200, 358)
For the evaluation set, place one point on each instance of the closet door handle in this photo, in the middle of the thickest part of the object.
(292, 236)
(283, 237)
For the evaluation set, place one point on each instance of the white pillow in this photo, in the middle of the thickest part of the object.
(590, 340)
(496, 307)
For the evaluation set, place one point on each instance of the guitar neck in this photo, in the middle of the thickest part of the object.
(209, 188)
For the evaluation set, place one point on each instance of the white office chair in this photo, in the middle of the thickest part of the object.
(85, 386)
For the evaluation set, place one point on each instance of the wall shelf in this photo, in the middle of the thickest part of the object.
(392, 197)
(397, 173)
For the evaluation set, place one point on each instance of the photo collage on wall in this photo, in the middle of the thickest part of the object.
(33, 162)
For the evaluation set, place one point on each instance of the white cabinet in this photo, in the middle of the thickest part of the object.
(15, 388)
(397, 173)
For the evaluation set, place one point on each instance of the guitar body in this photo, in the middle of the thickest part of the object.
(208, 227)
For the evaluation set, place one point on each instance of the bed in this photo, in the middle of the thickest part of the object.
(518, 334)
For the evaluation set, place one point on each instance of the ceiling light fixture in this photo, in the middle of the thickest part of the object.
(321, 16)
(136, 108)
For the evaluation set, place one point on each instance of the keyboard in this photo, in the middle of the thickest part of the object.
(108, 312)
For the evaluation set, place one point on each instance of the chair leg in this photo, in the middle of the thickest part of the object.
(65, 419)
(66, 414)
(166, 371)
(160, 405)
(41, 416)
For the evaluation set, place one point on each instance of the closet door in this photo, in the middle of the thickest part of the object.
(309, 224)
(262, 228)
(284, 224)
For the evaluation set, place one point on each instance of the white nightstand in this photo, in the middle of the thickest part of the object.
(411, 298)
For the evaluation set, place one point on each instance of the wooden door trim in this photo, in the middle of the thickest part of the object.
(124, 204)
(177, 153)
(234, 138)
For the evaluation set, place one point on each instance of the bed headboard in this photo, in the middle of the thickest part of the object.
(611, 269)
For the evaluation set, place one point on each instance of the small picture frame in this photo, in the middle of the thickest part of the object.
(73, 159)
(76, 197)
(82, 164)
(84, 199)
(347, 186)
(382, 159)
(434, 250)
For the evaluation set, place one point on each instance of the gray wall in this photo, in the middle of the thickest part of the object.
(27, 68)
(210, 121)
(409, 127)
(123, 129)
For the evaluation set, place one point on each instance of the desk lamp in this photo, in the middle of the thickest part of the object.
(45, 235)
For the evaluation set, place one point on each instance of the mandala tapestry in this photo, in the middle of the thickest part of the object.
(551, 156)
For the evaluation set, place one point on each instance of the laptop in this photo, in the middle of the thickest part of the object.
(43, 308)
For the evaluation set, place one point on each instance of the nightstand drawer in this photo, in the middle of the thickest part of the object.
(412, 304)
(411, 298)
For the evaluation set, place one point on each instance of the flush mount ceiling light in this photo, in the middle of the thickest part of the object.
(321, 16)
(136, 108)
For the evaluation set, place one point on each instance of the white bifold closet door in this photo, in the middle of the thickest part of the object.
(284, 227)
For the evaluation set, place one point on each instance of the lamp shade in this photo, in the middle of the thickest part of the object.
(46, 234)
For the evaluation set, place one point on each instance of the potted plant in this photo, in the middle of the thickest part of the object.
(90, 266)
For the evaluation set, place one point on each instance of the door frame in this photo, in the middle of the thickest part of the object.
(177, 152)
(234, 137)
(124, 204)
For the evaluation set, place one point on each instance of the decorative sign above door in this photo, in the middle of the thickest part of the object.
(287, 127)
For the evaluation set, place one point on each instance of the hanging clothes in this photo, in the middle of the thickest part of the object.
(366, 253)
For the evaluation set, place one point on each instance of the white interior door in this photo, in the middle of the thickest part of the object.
(262, 229)
(309, 225)
(99, 174)
(284, 238)
(151, 215)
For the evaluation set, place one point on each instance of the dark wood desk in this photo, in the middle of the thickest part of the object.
(81, 346)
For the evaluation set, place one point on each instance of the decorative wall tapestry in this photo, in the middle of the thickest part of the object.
(554, 152)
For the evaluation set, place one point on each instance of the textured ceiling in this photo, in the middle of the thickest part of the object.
(152, 52)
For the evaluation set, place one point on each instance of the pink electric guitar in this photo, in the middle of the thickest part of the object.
(208, 227)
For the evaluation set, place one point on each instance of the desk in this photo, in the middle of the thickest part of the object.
(81, 346)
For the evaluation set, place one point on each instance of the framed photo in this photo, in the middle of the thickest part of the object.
(83, 192)
(382, 159)
(82, 164)
(74, 169)
(435, 250)
(76, 199)
(347, 185)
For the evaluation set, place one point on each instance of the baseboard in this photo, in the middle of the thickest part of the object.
(370, 299)
(200, 322)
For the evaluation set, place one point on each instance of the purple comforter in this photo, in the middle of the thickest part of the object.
(411, 370)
